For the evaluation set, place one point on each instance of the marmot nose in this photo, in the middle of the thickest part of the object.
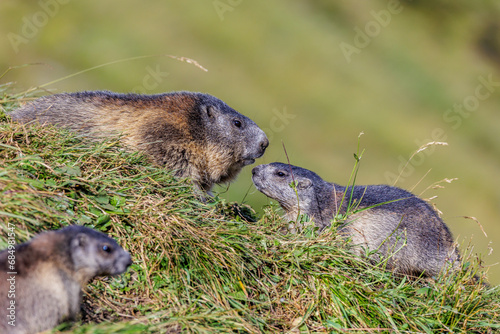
(264, 144)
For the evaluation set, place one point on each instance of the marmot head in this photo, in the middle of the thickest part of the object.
(94, 253)
(276, 180)
(227, 126)
(232, 139)
(200, 136)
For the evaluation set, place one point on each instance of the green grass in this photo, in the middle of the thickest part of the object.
(397, 90)
(212, 267)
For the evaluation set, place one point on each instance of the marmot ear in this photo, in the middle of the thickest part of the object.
(208, 110)
(304, 183)
(80, 240)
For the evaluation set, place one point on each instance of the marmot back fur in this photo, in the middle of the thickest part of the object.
(196, 135)
(407, 229)
(41, 280)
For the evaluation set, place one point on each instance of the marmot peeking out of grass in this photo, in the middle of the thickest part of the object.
(41, 280)
(196, 135)
(406, 229)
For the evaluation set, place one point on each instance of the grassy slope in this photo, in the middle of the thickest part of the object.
(396, 90)
(200, 267)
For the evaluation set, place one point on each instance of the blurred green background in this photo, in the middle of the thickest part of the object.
(313, 75)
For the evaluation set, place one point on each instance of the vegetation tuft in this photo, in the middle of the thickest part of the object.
(211, 267)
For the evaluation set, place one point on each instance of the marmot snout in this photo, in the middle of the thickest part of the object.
(196, 135)
(389, 220)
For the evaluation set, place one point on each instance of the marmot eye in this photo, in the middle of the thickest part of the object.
(280, 174)
(237, 123)
(106, 248)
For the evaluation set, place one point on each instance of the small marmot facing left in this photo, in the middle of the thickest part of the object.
(41, 280)
(194, 134)
(389, 220)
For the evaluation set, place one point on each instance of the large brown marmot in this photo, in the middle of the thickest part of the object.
(194, 134)
(41, 280)
(405, 228)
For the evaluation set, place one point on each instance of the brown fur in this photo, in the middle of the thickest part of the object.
(194, 134)
(48, 275)
(389, 222)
